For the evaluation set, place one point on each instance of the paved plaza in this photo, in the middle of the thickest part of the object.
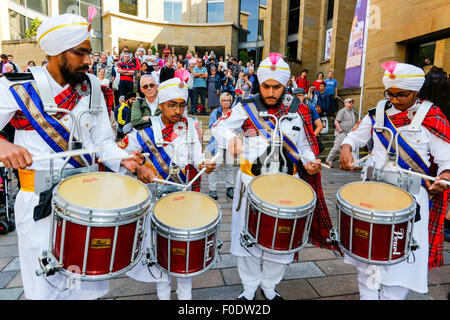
(319, 274)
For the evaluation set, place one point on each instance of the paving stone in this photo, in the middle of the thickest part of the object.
(231, 276)
(439, 292)
(128, 286)
(9, 251)
(228, 261)
(439, 275)
(16, 282)
(310, 254)
(6, 277)
(210, 278)
(6, 240)
(10, 294)
(412, 295)
(14, 265)
(4, 262)
(342, 297)
(335, 285)
(218, 293)
(335, 267)
(302, 270)
(296, 290)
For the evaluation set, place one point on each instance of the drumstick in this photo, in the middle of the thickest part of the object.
(361, 160)
(128, 156)
(422, 175)
(168, 182)
(72, 153)
(213, 159)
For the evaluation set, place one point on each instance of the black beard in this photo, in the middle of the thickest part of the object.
(73, 78)
(276, 105)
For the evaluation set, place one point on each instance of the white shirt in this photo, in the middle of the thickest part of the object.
(155, 75)
(96, 128)
(153, 105)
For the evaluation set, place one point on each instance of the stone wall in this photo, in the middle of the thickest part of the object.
(23, 51)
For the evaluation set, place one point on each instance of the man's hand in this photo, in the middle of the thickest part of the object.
(14, 156)
(146, 118)
(313, 167)
(235, 147)
(145, 174)
(438, 187)
(210, 166)
(134, 163)
(346, 158)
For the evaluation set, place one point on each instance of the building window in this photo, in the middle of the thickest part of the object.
(294, 16)
(328, 31)
(291, 51)
(81, 8)
(128, 7)
(36, 5)
(252, 15)
(215, 9)
(18, 25)
(172, 10)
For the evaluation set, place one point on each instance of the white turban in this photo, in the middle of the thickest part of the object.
(275, 68)
(60, 33)
(172, 89)
(402, 76)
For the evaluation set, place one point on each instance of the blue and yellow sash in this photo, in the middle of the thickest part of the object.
(408, 158)
(265, 128)
(54, 133)
(158, 156)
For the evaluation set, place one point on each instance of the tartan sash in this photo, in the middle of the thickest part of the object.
(265, 128)
(158, 156)
(51, 130)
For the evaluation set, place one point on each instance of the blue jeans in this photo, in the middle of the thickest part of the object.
(196, 92)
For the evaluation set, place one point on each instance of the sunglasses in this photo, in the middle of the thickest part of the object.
(147, 86)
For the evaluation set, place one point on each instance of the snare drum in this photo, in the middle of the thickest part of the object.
(98, 221)
(279, 213)
(375, 222)
(185, 227)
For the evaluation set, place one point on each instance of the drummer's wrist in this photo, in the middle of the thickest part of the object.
(346, 147)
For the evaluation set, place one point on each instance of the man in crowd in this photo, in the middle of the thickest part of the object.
(127, 70)
(144, 108)
(427, 151)
(344, 122)
(302, 80)
(15, 65)
(332, 92)
(65, 40)
(273, 75)
(199, 85)
(168, 71)
(110, 72)
(122, 114)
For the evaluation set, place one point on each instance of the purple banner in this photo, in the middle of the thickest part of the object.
(356, 47)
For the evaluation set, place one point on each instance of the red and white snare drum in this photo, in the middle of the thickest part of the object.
(375, 222)
(98, 221)
(279, 213)
(185, 227)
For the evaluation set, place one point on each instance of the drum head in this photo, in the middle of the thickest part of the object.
(103, 191)
(186, 210)
(376, 196)
(282, 190)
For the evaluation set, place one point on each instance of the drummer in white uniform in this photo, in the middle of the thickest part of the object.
(273, 74)
(65, 39)
(174, 127)
(403, 83)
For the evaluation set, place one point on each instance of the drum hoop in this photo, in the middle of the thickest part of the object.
(274, 210)
(91, 216)
(401, 215)
(190, 234)
(179, 231)
(375, 262)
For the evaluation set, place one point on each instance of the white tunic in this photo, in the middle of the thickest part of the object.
(188, 154)
(33, 237)
(411, 273)
(223, 131)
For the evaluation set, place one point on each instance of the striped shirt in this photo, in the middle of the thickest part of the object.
(126, 66)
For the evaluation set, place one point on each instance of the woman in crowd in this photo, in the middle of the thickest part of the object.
(214, 87)
(101, 76)
(318, 81)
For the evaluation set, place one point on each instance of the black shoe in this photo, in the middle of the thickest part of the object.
(230, 193)
(277, 296)
(242, 297)
(213, 194)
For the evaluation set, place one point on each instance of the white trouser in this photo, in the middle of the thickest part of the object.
(184, 289)
(368, 290)
(256, 272)
(228, 168)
